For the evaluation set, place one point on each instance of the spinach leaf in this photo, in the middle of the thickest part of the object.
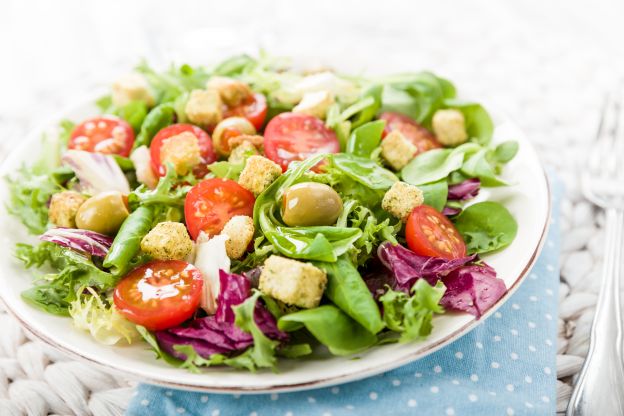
(347, 290)
(505, 151)
(436, 164)
(128, 240)
(417, 95)
(411, 315)
(479, 125)
(134, 113)
(365, 138)
(486, 226)
(477, 165)
(331, 327)
(363, 170)
(435, 194)
(234, 65)
(157, 119)
(368, 112)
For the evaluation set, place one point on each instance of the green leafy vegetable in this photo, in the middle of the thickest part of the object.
(479, 125)
(505, 151)
(53, 293)
(160, 354)
(486, 226)
(366, 138)
(262, 353)
(347, 290)
(331, 327)
(368, 106)
(435, 194)
(134, 113)
(411, 315)
(436, 164)
(418, 95)
(100, 318)
(157, 119)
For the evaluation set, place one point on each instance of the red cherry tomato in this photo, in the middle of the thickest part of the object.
(292, 136)
(159, 294)
(210, 204)
(430, 233)
(105, 134)
(422, 138)
(254, 110)
(205, 148)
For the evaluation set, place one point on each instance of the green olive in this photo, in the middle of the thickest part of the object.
(103, 213)
(230, 127)
(311, 203)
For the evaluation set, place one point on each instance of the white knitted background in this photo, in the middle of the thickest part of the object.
(545, 63)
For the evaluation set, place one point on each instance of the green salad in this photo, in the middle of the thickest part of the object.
(239, 213)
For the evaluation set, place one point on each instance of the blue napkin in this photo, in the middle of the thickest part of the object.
(505, 366)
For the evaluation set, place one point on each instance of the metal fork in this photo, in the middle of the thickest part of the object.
(598, 389)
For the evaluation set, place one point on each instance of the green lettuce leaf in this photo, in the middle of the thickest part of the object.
(411, 315)
(486, 226)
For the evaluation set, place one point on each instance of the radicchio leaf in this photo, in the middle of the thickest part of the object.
(473, 289)
(470, 287)
(465, 190)
(217, 334)
(84, 241)
(96, 172)
(407, 266)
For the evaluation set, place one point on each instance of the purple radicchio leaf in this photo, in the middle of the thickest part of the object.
(84, 241)
(473, 289)
(450, 211)
(470, 287)
(407, 266)
(218, 334)
(465, 190)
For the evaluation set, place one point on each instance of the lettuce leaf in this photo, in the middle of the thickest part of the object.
(411, 315)
(101, 319)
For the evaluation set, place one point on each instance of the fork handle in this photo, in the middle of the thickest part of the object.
(598, 389)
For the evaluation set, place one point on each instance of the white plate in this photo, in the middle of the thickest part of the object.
(528, 200)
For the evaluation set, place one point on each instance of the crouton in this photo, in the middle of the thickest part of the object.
(401, 199)
(232, 92)
(258, 174)
(315, 104)
(293, 282)
(241, 152)
(240, 230)
(450, 127)
(396, 150)
(182, 151)
(256, 140)
(63, 208)
(167, 241)
(132, 87)
(204, 107)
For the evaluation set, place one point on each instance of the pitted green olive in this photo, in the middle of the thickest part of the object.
(103, 213)
(311, 203)
(228, 128)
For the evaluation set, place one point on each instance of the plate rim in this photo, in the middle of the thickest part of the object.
(417, 354)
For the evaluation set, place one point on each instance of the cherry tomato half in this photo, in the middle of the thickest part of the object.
(159, 294)
(430, 233)
(254, 110)
(205, 148)
(292, 136)
(105, 134)
(210, 204)
(422, 138)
